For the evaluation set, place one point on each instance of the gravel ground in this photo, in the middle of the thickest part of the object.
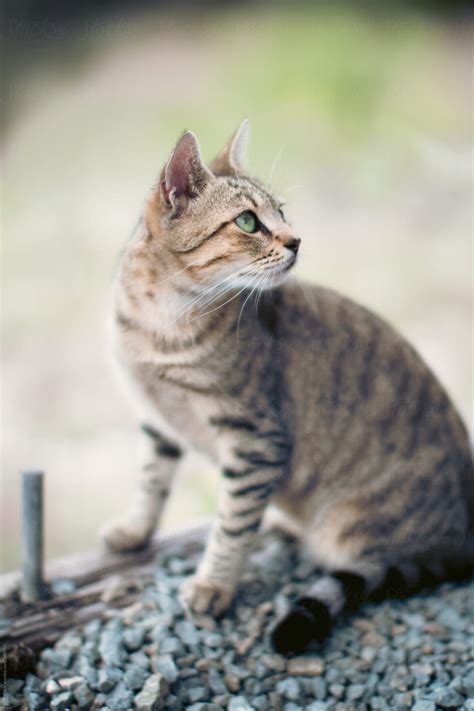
(412, 654)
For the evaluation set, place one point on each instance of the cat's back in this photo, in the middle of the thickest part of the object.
(348, 369)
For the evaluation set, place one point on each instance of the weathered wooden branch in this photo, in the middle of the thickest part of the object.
(102, 580)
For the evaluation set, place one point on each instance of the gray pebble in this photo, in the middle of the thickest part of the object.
(187, 632)
(333, 675)
(100, 702)
(270, 682)
(83, 696)
(216, 683)
(221, 700)
(171, 645)
(86, 670)
(448, 698)
(260, 703)
(140, 659)
(167, 603)
(63, 586)
(71, 641)
(371, 681)
(449, 617)
(56, 658)
(336, 690)
(110, 646)
(152, 694)
(289, 689)
(317, 706)
(90, 649)
(8, 700)
(260, 671)
(319, 688)
(108, 678)
(60, 702)
(275, 662)
(33, 683)
(120, 699)
(415, 620)
(377, 703)
(252, 686)
(212, 639)
(181, 566)
(164, 664)
(35, 701)
(135, 677)
(197, 693)
(239, 703)
(403, 701)
(92, 629)
(468, 684)
(355, 692)
(424, 705)
(13, 686)
(170, 702)
(133, 638)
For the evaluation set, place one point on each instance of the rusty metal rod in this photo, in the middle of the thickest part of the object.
(32, 535)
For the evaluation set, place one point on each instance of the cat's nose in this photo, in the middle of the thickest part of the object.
(293, 244)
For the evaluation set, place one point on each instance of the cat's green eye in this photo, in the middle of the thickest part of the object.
(247, 221)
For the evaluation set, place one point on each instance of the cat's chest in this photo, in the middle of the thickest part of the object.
(180, 402)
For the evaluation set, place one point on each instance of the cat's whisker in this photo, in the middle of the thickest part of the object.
(221, 305)
(172, 276)
(189, 266)
(304, 292)
(252, 290)
(274, 165)
(208, 291)
(258, 287)
(266, 279)
(208, 301)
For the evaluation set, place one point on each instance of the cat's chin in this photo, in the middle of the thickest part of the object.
(276, 280)
(280, 274)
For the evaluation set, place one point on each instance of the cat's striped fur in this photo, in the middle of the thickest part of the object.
(308, 401)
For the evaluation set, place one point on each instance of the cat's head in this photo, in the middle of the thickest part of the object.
(219, 223)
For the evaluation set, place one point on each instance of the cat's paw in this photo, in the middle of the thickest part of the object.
(202, 595)
(124, 535)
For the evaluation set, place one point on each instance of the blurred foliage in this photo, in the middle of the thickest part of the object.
(37, 9)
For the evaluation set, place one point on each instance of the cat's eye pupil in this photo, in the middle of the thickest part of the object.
(247, 221)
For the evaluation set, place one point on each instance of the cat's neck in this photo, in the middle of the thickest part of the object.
(161, 302)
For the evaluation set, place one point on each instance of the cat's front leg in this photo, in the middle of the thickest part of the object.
(159, 460)
(248, 481)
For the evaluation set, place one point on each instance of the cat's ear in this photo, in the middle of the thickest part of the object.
(184, 176)
(231, 159)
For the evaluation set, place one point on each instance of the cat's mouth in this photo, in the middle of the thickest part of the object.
(283, 268)
(279, 271)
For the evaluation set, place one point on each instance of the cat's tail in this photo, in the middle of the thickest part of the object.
(311, 616)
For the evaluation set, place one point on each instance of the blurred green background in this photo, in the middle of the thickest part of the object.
(361, 120)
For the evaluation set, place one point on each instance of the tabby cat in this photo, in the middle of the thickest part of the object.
(307, 401)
